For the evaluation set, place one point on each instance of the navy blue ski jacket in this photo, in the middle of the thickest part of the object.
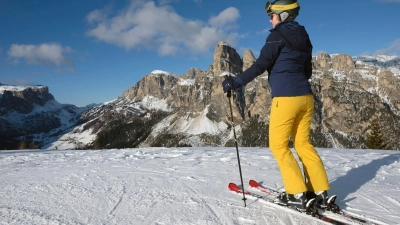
(287, 56)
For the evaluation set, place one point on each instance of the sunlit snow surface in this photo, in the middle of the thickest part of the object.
(180, 186)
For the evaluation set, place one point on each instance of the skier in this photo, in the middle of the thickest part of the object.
(287, 56)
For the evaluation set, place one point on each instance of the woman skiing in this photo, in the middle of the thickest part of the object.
(287, 56)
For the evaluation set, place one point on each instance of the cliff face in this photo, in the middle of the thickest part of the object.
(23, 101)
(17, 115)
(352, 91)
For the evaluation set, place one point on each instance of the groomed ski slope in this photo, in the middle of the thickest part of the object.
(180, 186)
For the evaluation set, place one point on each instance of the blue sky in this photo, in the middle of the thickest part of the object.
(91, 51)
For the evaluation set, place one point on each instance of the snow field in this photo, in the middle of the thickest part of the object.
(180, 186)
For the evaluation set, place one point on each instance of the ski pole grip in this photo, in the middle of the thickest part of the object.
(228, 94)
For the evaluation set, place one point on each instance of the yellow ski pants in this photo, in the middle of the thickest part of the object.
(292, 116)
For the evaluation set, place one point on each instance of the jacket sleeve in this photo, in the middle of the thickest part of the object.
(268, 55)
(308, 65)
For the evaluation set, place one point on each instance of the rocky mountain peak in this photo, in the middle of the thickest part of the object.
(342, 62)
(226, 59)
(23, 99)
(248, 59)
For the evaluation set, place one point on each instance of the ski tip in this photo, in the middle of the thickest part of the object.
(254, 183)
(234, 187)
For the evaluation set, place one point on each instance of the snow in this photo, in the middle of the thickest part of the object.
(224, 44)
(160, 72)
(5, 87)
(339, 75)
(186, 82)
(164, 124)
(72, 139)
(180, 186)
(366, 75)
(199, 124)
(151, 102)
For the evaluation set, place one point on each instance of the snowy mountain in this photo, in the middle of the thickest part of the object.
(165, 109)
(31, 113)
(181, 186)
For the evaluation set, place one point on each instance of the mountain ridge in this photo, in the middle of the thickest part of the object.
(191, 109)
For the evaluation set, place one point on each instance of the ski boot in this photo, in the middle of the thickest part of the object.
(324, 202)
(298, 201)
(301, 203)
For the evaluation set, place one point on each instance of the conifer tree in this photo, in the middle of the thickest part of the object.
(22, 145)
(375, 138)
(32, 145)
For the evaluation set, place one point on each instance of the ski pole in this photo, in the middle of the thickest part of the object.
(237, 149)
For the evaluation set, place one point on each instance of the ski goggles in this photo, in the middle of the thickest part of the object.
(270, 7)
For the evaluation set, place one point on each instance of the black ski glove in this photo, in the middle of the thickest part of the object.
(230, 84)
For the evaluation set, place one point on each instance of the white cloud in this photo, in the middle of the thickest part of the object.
(393, 49)
(94, 16)
(146, 25)
(225, 18)
(263, 32)
(43, 54)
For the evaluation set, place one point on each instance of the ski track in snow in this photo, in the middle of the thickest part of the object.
(180, 186)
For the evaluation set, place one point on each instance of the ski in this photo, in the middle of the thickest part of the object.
(335, 214)
(269, 199)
